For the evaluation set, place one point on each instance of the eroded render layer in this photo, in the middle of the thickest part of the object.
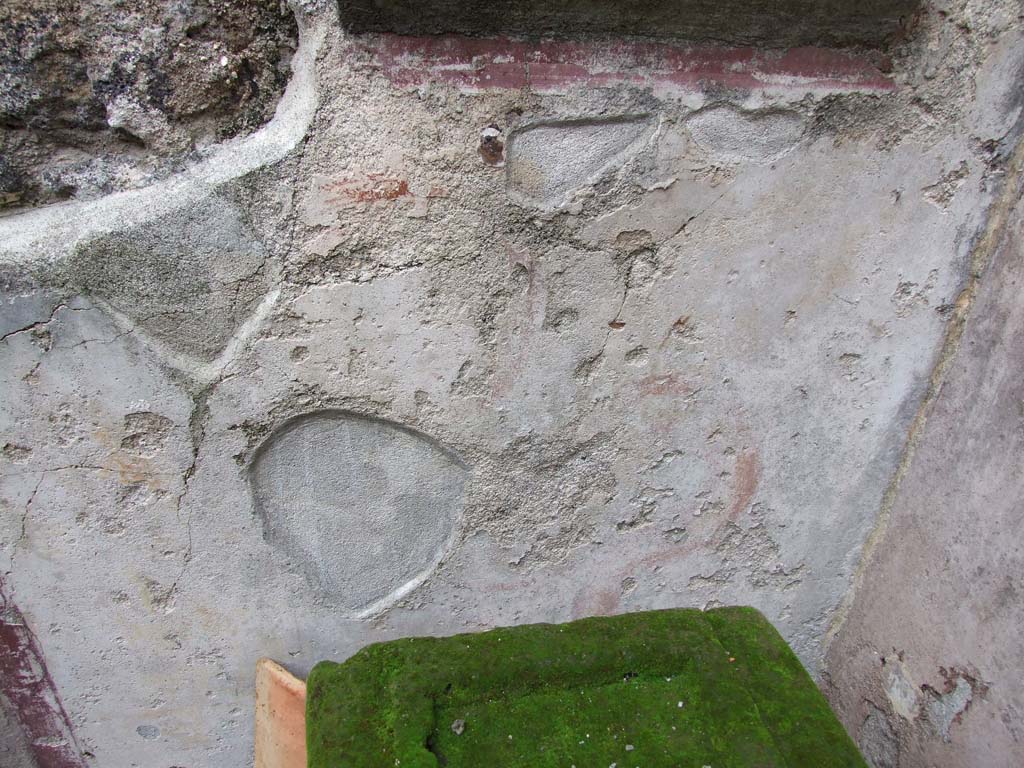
(674, 324)
(917, 671)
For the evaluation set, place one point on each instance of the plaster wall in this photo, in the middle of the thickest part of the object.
(477, 331)
(923, 669)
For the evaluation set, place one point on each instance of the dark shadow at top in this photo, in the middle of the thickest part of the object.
(765, 23)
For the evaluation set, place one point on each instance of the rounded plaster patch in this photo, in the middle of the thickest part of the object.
(735, 135)
(547, 161)
(365, 507)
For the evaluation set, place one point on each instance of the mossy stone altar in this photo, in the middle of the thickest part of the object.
(658, 689)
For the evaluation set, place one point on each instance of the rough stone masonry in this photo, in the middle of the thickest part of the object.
(339, 322)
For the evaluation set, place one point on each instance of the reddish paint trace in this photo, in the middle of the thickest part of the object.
(664, 384)
(604, 601)
(478, 64)
(373, 188)
(27, 685)
(748, 475)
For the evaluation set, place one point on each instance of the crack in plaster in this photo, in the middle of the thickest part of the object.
(699, 213)
(24, 523)
(197, 435)
(34, 326)
(43, 473)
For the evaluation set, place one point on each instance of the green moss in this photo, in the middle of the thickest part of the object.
(654, 689)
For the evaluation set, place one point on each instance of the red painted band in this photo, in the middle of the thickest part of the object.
(28, 687)
(477, 64)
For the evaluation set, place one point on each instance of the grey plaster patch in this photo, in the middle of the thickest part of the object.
(902, 692)
(944, 709)
(735, 135)
(878, 740)
(24, 313)
(188, 279)
(363, 507)
(546, 162)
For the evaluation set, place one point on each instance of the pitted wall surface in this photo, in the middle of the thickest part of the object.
(480, 331)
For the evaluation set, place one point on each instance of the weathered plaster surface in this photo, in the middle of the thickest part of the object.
(428, 355)
(925, 668)
(14, 747)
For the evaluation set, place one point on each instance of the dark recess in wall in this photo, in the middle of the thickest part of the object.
(98, 96)
(766, 23)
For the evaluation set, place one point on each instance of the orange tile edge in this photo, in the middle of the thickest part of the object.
(280, 731)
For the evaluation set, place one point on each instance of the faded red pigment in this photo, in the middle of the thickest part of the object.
(29, 689)
(478, 64)
(371, 189)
